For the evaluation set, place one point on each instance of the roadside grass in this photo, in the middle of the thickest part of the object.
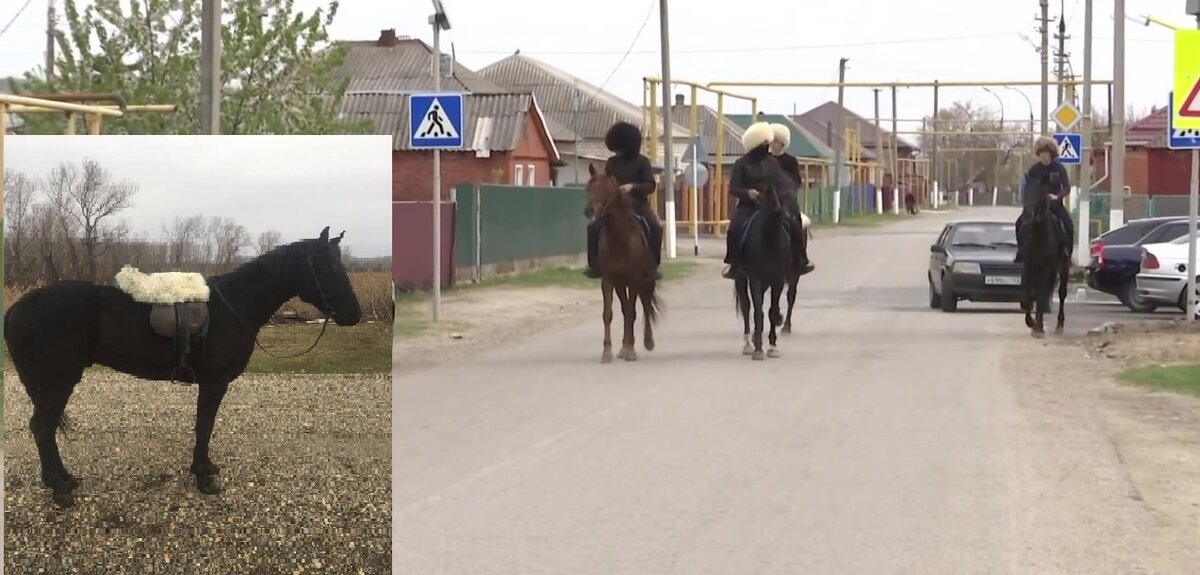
(1179, 378)
(412, 319)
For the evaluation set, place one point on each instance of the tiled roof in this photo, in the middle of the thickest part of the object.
(492, 121)
(826, 114)
(823, 131)
(707, 120)
(565, 99)
(1150, 131)
(405, 66)
(803, 144)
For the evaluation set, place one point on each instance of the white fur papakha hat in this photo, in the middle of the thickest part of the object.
(782, 134)
(757, 134)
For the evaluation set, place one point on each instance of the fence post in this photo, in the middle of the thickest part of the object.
(477, 221)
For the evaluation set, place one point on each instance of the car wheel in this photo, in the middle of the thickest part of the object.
(935, 300)
(1135, 303)
(949, 300)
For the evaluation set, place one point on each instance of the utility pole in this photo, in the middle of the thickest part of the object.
(1060, 56)
(668, 176)
(933, 154)
(839, 142)
(1193, 206)
(50, 25)
(210, 67)
(1044, 29)
(879, 157)
(895, 159)
(1082, 247)
(1116, 211)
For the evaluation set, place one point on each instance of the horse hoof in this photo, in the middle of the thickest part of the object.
(649, 344)
(773, 353)
(1038, 334)
(631, 356)
(758, 355)
(747, 349)
(64, 499)
(1058, 330)
(787, 328)
(208, 485)
(621, 354)
(606, 356)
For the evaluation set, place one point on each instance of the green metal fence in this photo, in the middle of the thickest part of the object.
(1136, 206)
(499, 224)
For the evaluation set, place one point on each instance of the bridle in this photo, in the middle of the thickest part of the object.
(326, 309)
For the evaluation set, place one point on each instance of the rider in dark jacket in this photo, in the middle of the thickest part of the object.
(791, 196)
(634, 175)
(755, 173)
(1048, 176)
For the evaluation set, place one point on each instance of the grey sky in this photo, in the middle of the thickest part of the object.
(294, 184)
(717, 39)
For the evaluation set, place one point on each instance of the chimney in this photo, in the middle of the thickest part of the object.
(679, 100)
(388, 38)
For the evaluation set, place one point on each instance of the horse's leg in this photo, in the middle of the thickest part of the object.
(647, 296)
(1042, 302)
(47, 417)
(207, 403)
(1027, 298)
(606, 287)
(793, 281)
(623, 297)
(776, 318)
(630, 305)
(757, 293)
(1063, 273)
(742, 285)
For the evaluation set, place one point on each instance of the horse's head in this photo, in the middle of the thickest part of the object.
(603, 194)
(313, 269)
(1037, 211)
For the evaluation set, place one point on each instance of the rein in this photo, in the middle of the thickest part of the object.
(324, 302)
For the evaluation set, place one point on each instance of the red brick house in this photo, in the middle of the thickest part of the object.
(506, 137)
(1151, 168)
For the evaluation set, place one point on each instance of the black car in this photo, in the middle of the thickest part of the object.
(974, 261)
(1114, 267)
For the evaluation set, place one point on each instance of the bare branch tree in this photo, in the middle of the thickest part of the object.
(267, 241)
(96, 199)
(226, 238)
(20, 194)
(183, 237)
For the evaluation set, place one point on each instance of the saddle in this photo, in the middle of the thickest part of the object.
(178, 309)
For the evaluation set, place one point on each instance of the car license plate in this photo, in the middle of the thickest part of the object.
(1002, 280)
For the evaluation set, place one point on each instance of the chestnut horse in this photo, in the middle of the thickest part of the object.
(625, 263)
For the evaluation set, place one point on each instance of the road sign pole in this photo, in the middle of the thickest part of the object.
(668, 176)
(437, 182)
(695, 203)
(1193, 205)
(1084, 230)
(1116, 210)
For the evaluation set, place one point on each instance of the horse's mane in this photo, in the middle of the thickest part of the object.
(280, 252)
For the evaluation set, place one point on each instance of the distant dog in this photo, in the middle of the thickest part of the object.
(910, 203)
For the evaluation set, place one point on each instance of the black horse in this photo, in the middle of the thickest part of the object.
(767, 264)
(794, 280)
(55, 332)
(1044, 263)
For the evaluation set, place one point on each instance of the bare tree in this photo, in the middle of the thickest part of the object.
(96, 200)
(225, 239)
(20, 194)
(183, 236)
(267, 241)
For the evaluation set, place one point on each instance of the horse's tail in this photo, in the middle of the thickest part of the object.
(740, 295)
(652, 301)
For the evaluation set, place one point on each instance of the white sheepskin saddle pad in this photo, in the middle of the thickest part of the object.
(804, 220)
(162, 288)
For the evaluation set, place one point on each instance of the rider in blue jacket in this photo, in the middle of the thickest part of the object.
(1048, 176)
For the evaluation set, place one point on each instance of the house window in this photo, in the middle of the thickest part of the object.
(518, 174)
(529, 175)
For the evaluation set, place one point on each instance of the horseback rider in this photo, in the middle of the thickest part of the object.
(1048, 176)
(757, 172)
(790, 197)
(635, 177)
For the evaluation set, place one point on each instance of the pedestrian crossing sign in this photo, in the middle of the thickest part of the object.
(435, 121)
(1070, 147)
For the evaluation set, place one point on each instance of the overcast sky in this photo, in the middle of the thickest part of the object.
(778, 40)
(296, 185)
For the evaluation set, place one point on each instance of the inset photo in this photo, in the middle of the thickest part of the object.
(197, 362)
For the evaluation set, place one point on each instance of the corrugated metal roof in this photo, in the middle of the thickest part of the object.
(492, 121)
(803, 143)
(406, 66)
(827, 114)
(565, 99)
(823, 132)
(707, 120)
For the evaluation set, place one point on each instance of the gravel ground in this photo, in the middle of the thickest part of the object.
(305, 463)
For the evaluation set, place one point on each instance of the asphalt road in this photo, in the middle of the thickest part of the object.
(886, 440)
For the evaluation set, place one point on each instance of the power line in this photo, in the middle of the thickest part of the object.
(926, 40)
(15, 16)
(629, 50)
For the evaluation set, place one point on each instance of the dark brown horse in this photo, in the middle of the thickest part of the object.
(1044, 265)
(625, 263)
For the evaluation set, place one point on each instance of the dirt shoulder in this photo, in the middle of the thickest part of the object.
(1071, 387)
(480, 318)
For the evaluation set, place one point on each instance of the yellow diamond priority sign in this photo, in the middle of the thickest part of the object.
(1066, 115)
(1186, 114)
